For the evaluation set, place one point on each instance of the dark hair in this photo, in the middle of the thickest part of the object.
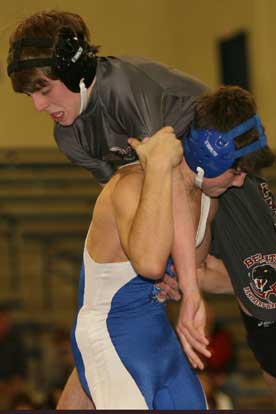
(48, 25)
(223, 110)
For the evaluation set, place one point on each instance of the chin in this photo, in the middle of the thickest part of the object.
(67, 122)
(214, 194)
(68, 118)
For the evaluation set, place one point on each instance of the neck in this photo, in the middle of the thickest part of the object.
(188, 176)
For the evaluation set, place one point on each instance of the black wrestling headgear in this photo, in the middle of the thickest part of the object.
(73, 58)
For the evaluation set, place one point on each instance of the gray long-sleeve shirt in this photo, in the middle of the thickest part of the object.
(132, 97)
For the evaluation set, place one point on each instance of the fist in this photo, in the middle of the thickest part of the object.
(163, 148)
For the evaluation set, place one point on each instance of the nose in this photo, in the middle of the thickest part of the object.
(40, 101)
(239, 180)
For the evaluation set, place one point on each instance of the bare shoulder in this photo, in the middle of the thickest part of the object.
(127, 184)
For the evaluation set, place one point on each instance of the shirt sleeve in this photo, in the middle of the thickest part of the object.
(101, 170)
(144, 114)
(145, 97)
(136, 109)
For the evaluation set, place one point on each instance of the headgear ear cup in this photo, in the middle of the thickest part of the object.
(74, 60)
(215, 152)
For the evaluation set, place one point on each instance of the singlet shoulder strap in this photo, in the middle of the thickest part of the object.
(204, 212)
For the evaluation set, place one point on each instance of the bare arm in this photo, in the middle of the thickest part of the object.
(192, 315)
(183, 251)
(73, 397)
(168, 285)
(143, 204)
(213, 276)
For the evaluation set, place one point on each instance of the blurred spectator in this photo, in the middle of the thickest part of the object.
(222, 363)
(216, 398)
(12, 358)
(60, 360)
(22, 402)
(53, 398)
(222, 346)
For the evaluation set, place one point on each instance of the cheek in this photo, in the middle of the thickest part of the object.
(65, 98)
(72, 102)
(240, 181)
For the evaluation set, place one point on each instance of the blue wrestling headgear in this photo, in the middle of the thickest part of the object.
(215, 151)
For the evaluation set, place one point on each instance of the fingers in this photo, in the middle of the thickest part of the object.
(165, 129)
(190, 329)
(167, 293)
(194, 359)
(191, 355)
(196, 333)
(170, 281)
(196, 344)
(195, 336)
(169, 289)
(162, 297)
(134, 143)
(163, 147)
(193, 324)
(192, 347)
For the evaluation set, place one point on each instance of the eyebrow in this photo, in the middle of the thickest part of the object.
(37, 85)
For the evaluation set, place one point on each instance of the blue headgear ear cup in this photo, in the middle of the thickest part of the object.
(215, 151)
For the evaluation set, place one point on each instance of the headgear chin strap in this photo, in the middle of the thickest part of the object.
(215, 151)
(83, 96)
(72, 60)
(199, 177)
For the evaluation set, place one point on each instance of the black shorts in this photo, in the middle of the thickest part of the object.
(261, 338)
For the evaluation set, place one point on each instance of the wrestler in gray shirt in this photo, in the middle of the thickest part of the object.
(132, 97)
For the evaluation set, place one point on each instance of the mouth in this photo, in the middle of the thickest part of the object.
(57, 116)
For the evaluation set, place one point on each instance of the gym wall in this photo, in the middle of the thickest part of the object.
(181, 33)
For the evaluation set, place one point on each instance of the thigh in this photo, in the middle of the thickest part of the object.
(182, 391)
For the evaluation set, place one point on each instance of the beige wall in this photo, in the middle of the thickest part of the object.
(182, 33)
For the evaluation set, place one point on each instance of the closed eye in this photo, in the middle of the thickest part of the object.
(44, 91)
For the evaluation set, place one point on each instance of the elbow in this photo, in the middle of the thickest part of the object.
(151, 269)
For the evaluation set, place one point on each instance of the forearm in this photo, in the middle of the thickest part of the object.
(213, 276)
(151, 234)
(73, 397)
(183, 251)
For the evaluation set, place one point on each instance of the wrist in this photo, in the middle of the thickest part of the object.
(189, 290)
(156, 167)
